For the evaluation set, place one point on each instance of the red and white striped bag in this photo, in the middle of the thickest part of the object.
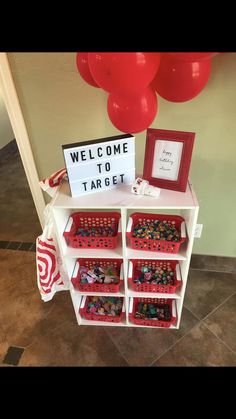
(51, 274)
(50, 185)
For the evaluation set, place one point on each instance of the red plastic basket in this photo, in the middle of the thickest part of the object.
(150, 244)
(149, 322)
(134, 270)
(90, 263)
(92, 219)
(97, 317)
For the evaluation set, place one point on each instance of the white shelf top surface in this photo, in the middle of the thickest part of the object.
(121, 197)
(120, 324)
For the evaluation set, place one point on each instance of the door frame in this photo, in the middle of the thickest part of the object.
(15, 114)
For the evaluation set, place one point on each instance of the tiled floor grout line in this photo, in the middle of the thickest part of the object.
(212, 270)
(205, 324)
(195, 315)
(198, 324)
(220, 340)
(216, 308)
(123, 356)
(20, 243)
(200, 321)
(60, 325)
(166, 350)
(31, 246)
(170, 347)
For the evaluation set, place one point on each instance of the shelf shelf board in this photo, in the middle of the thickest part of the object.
(139, 254)
(116, 253)
(135, 294)
(121, 293)
(121, 197)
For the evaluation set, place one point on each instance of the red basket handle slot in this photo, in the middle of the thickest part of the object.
(130, 271)
(174, 313)
(67, 231)
(75, 271)
(131, 305)
(123, 310)
(178, 275)
(129, 227)
(122, 272)
(119, 228)
(183, 232)
(82, 308)
(74, 277)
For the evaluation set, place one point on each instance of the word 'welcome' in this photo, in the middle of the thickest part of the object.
(99, 152)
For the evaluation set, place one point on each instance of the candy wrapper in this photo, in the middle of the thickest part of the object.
(51, 274)
(141, 187)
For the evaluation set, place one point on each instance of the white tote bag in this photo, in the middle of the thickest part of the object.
(51, 274)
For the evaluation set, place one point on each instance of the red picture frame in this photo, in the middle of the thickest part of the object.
(166, 165)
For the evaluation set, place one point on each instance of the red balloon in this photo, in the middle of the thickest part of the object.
(132, 114)
(193, 56)
(179, 81)
(123, 72)
(83, 68)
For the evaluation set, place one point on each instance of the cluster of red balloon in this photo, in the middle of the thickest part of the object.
(133, 79)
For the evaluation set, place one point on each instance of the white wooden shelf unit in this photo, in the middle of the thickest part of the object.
(123, 201)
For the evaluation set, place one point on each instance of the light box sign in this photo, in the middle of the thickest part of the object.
(96, 165)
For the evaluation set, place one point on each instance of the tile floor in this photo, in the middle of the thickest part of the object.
(34, 333)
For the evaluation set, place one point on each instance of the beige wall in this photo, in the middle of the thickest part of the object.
(6, 133)
(59, 108)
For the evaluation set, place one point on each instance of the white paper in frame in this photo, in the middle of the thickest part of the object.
(166, 160)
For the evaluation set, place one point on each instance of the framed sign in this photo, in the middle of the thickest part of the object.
(96, 165)
(167, 158)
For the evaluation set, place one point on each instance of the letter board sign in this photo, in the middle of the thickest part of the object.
(97, 165)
